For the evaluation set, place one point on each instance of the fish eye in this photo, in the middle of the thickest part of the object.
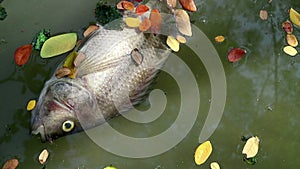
(67, 126)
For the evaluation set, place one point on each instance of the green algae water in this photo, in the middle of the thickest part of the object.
(262, 89)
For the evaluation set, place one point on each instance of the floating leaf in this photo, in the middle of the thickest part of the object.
(62, 72)
(188, 5)
(109, 167)
(145, 25)
(43, 156)
(79, 58)
(11, 164)
(251, 147)
(59, 44)
(172, 3)
(22, 54)
(180, 39)
(141, 9)
(236, 54)
(219, 38)
(292, 40)
(90, 29)
(183, 22)
(125, 5)
(30, 105)
(156, 20)
(173, 43)
(295, 17)
(288, 27)
(214, 165)
(290, 50)
(263, 14)
(132, 22)
(40, 39)
(202, 152)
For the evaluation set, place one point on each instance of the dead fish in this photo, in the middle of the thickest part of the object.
(106, 77)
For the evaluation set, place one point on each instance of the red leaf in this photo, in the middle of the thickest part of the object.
(188, 5)
(156, 19)
(22, 54)
(287, 26)
(125, 5)
(140, 9)
(236, 54)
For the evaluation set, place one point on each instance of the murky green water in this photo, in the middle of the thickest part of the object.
(262, 91)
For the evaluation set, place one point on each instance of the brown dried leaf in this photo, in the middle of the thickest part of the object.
(90, 29)
(183, 22)
(11, 164)
(137, 57)
(79, 58)
(62, 72)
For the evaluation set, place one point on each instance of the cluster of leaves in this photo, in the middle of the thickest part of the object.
(40, 39)
(3, 13)
(105, 13)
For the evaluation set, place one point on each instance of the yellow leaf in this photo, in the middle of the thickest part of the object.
(214, 165)
(292, 40)
(290, 50)
(219, 38)
(295, 17)
(202, 152)
(31, 105)
(183, 22)
(173, 43)
(132, 22)
(251, 147)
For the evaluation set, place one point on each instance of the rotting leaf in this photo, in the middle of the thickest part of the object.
(173, 43)
(219, 38)
(214, 165)
(137, 57)
(290, 50)
(156, 20)
(145, 25)
(188, 5)
(11, 164)
(90, 29)
(22, 54)
(183, 22)
(141, 9)
(43, 156)
(294, 17)
(251, 147)
(263, 14)
(202, 152)
(59, 44)
(236, 54)
(292, 40)
(30, 105)
(125, 5)
(288, 27)
(132, 22)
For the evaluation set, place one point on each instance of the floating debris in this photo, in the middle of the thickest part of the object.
(40, 39)
(11, 164)
(290, 50)
(22, 54)
(292, 40)
(132, 22)
(251, 147)
(137, 57)
(202, 152)
(43, 156)
(173, 43)
(263, 14)
(90, 29)
(183, 22)
(219, 38)
(31, 105)
(214, 165)
(62, 72)
(236, 54)
(287, 27)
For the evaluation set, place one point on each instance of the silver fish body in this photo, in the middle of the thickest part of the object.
(109, 81)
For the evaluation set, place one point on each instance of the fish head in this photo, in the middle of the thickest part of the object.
(58, 110)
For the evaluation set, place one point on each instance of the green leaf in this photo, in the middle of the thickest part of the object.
(59, 44)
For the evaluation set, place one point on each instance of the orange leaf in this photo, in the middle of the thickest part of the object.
(172, 3)
(90, 29)
(145, 25)
(125, 5)
(156, 20)
(188, 5)
(22, 54)
(141, 9)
